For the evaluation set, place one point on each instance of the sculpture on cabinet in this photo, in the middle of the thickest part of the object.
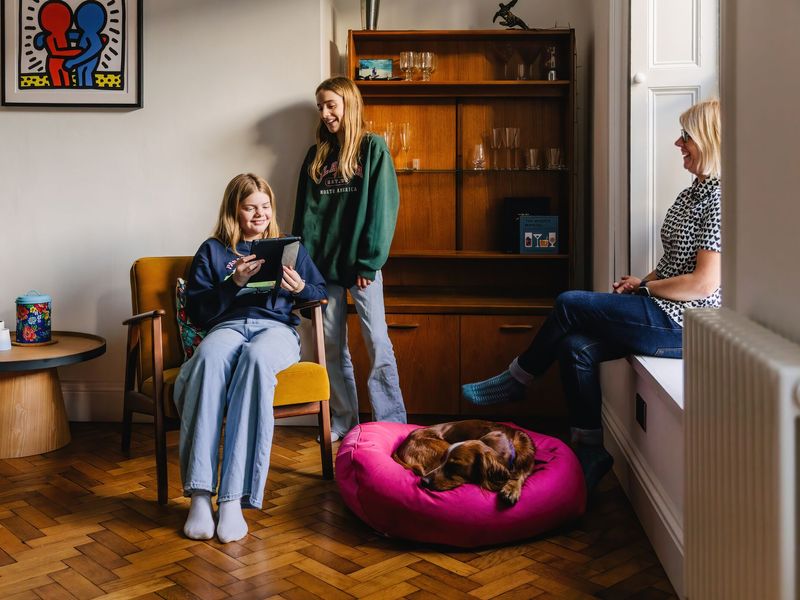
(507, 18)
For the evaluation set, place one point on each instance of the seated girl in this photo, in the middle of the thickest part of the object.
(232, 375)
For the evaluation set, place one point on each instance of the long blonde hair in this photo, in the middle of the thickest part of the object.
(240, 187)
(702, 123)
(352, 126)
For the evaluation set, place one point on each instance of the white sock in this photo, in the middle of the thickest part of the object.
(200, 522)
(231, 525)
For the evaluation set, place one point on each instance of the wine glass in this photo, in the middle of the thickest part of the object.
(407, 64)
(390, 138)
(479, 158)
(425, 64)
(497, 143)
(405, 140)
(513, 144)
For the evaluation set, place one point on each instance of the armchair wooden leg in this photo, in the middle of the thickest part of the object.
(161, 460)
(325, 440)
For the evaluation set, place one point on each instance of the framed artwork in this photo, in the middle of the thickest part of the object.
(71, 53)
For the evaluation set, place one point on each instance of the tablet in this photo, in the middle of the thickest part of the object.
(276, 252)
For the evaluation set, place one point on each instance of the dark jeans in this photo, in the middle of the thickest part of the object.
(587, 328)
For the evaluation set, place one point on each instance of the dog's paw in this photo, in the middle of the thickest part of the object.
(511, 492)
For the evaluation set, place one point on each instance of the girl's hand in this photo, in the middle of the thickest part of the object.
(291, 281)
(246, 267)
(362, 282)
(627, 284)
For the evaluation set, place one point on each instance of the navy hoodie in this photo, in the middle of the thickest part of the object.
(213, 297)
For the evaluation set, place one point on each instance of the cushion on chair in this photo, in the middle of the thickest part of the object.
(191, 335)
(389, 498)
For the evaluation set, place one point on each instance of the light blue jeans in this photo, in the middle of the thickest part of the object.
(232, 375)
(383, 383)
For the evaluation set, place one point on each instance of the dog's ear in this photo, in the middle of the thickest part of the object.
(492, 473)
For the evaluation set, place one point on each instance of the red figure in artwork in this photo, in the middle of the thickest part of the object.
(55, 18)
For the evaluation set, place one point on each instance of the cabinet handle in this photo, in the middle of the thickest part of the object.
(516, 327)
(402, 325)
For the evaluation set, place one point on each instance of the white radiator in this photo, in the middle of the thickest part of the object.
(742, 394)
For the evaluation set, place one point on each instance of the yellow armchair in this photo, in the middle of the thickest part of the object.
(154, 357)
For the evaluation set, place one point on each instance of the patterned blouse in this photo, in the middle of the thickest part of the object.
(692, 223)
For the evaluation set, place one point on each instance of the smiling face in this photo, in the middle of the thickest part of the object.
(691, 156)
(331, 110)
(254, 215)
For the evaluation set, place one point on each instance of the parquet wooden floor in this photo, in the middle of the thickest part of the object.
(82, 522)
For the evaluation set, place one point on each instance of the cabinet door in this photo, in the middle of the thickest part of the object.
(488, 345)
(426, 348)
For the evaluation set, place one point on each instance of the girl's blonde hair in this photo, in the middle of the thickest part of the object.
(240, 187)
(352, 126)
(702, 123)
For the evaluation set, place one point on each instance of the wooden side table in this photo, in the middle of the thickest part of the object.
(33, 419)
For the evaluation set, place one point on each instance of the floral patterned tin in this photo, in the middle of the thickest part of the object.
(33, 318)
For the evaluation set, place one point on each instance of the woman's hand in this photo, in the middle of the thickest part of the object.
(362, 282)
(246, 267)
(627, 284)
(291, 281)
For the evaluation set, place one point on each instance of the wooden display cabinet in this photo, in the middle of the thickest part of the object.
(459, 307)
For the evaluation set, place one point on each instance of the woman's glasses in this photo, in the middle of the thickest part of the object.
(685, 136)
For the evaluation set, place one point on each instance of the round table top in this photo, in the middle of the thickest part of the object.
(72, 347)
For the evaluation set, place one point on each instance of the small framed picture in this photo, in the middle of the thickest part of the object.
(375, 68)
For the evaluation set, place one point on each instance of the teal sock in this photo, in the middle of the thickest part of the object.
(500, 388)
(595, 462)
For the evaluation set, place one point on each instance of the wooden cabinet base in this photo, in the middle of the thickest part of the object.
(32, 415)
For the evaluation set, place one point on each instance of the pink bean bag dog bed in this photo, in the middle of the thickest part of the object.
(389, 498)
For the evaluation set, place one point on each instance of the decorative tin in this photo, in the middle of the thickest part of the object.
(33, 318)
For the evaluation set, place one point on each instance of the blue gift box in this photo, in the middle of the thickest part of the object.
(538, 234)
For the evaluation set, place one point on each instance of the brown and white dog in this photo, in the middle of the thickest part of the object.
(497, 457)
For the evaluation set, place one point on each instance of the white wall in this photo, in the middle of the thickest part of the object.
(227, 89)
(761, 211)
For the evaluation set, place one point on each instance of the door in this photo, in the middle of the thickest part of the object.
(674, 63)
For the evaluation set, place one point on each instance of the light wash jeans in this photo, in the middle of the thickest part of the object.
(233, 371)
(383, 383)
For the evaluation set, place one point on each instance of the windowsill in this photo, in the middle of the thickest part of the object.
(666, 375)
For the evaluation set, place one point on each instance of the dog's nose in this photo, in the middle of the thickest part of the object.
(425, 481)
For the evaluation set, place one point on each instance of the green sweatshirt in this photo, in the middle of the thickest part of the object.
(347, 226)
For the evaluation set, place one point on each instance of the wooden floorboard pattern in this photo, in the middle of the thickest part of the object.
(82, 522)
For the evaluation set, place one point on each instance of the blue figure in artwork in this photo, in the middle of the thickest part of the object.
(90, 19)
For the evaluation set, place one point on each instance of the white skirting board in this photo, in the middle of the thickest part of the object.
(649, 470)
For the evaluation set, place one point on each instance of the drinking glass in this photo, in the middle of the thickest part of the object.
(554, 158)
(497, 143)
(407, 64)
(426, 64)
(390, 138)
(509, 141)
(405, 140)
(479, 157)
(532, 159)
(514, 147)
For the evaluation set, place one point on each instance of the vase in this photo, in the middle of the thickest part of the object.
(369, 14)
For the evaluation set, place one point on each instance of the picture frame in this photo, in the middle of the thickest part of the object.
(374, 68)
(71, 53)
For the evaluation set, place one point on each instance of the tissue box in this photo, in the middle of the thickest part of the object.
(538, 234)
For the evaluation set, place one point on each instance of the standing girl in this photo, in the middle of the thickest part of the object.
(232, 375)
(347, 202)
